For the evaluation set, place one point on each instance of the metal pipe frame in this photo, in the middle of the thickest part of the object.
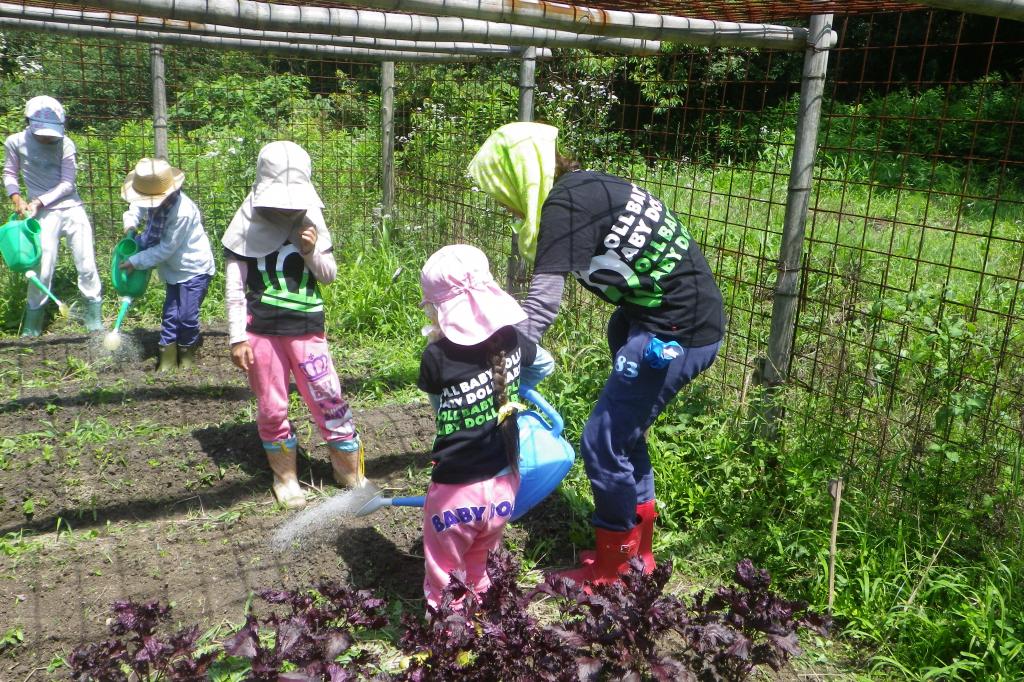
(773, 370)
(134, 22)
(387, 125)
(307, 51)
(156, 69)
(337, 21)
(1004, 9)
(588, 20)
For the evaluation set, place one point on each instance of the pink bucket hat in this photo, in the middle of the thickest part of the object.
(470, 305)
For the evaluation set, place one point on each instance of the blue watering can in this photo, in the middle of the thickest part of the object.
(544, 460)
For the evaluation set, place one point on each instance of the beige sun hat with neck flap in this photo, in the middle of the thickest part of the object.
(152, 181)
(283, 181)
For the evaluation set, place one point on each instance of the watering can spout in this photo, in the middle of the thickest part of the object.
(32, 277)
(378, 501)
(126, 301)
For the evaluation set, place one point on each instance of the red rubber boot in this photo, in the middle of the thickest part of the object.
(612, 553)
(645, 514)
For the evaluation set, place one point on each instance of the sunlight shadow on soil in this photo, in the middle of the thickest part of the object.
(105, 396)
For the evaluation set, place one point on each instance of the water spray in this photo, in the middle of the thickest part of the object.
(544, 460)
(112, 341)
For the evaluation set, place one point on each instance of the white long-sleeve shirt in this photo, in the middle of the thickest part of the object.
(49, 170)
(183, 250)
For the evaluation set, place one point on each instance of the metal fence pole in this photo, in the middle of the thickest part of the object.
(156, 65)
(527, 83)
(387, 124)
(773, 370)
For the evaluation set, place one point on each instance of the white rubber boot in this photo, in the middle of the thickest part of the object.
(282, 455)
(347, 462)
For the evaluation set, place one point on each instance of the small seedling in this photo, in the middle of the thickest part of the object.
(14, 637)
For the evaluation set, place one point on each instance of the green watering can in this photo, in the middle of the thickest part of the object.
(128, 284)
(19, 243)
(21, 250)
(131, 284)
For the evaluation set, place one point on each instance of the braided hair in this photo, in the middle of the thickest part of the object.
(565, 164)
(509, 432)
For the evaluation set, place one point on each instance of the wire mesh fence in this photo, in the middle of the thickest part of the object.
(907, 357)
(908, 347)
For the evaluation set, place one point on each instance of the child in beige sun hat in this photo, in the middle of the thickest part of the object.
(174, 242)
(277, 254)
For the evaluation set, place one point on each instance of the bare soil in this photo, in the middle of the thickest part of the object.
(124, 482)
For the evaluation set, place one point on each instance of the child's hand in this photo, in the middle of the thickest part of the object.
(32, 208)
(20, 205)
(125, 265)
(241, 355)
(307, 238)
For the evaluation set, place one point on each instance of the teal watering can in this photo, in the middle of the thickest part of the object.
(544, 460)
(128, 284)
(131, 284)
(19, 243)
(21, 250)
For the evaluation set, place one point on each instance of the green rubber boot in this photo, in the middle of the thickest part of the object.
(168, 358)
(32, 325)
(93, 316)
(186, 356)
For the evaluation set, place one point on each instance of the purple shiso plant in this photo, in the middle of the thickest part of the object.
(631, 630)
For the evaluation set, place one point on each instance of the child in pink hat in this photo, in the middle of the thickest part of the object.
(471, 370)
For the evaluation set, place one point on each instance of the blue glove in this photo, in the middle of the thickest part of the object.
(658, 354)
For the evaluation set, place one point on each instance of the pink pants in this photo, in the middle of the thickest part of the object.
(308, 359)
(461, 524)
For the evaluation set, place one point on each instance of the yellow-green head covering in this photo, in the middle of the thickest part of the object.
(516, 166)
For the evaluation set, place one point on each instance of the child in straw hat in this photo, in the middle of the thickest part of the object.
(277, 252)
(472, 372)
(44, 156)
(174, 242)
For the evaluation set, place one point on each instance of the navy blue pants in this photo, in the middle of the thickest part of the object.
(181, 311)
(614, 445)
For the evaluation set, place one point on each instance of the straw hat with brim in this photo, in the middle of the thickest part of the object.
(470, 305)
(152, 181)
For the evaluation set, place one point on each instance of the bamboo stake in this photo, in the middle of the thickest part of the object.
(835, 489)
